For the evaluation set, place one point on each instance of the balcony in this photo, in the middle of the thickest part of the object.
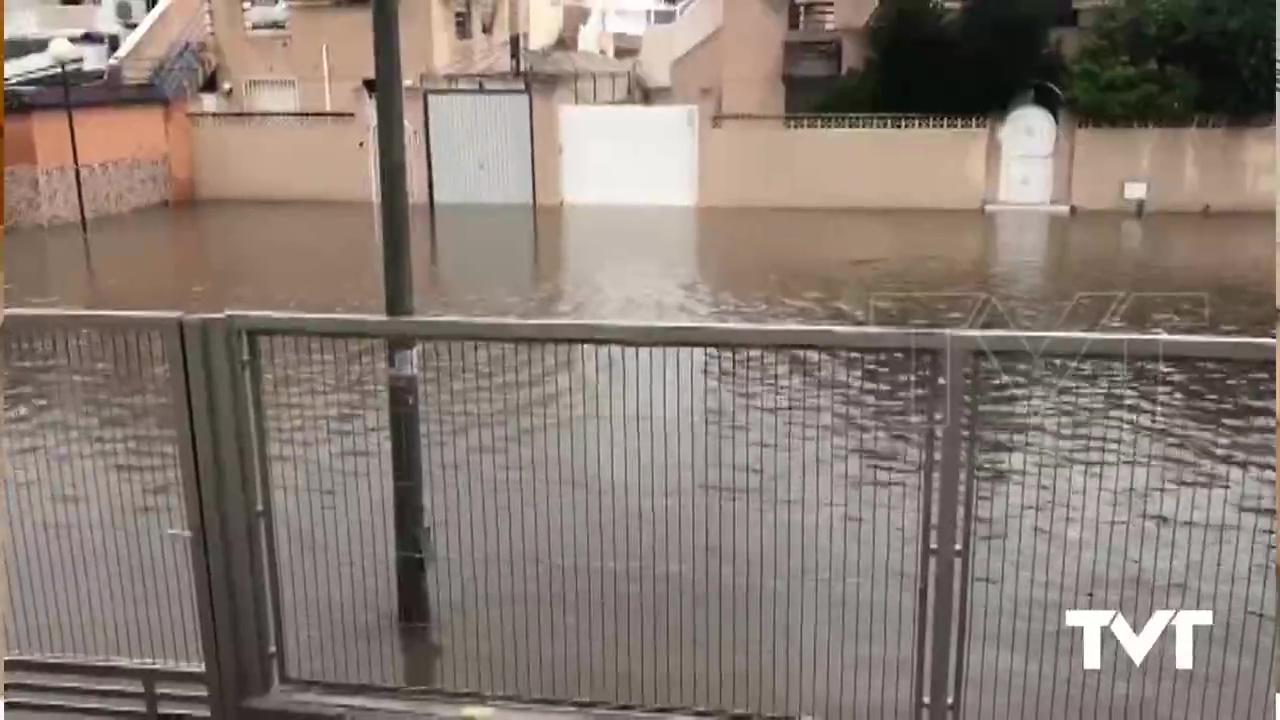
(811, 20)
(813, 43)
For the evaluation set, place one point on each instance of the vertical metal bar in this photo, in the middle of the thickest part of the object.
(209, 554)
(397, 277)
(75, 163)
(248, 532)
(533, 164)
(431, 173)
(257, 417)
(149, 696)
(181, 403)
(951, 467)
(967, 537)
(234, 506)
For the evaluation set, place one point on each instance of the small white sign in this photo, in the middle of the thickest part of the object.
(1135, 190)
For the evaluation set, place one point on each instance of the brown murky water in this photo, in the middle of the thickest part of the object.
(710, 528)
(808, 266)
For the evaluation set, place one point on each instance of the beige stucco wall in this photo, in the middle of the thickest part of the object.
(752, 44)
(695, 78)
(546, 146)
(283, 158)
(426, 41)
(770, 166)
(1187, 168)
(762, 164)
(263, 158)
(738, 68)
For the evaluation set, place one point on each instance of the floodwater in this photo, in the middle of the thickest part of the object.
(693, 527)
(655, 264)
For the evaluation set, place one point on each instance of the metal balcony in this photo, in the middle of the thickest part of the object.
(812, 16)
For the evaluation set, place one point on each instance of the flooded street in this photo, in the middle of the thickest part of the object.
(661, 264)
(716, 527)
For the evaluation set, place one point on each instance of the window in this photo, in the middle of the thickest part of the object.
(265, 15)
(462, 14)
(271, 95)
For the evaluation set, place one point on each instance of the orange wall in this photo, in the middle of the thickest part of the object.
(19, 143)
(103, 134)
(178, 141)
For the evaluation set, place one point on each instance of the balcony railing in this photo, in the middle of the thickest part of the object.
(812, 15)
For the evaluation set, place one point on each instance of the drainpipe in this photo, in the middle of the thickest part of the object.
(324, 67)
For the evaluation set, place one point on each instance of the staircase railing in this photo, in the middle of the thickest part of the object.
(169, 48)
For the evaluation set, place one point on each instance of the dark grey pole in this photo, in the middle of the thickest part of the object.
(75, 157)
(397, 277)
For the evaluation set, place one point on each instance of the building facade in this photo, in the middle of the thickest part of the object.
(317, 55)
(768, 57)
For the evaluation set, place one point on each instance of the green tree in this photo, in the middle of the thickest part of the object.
(1168, 59)
(1123, 73)
(910, 49)
(1227, 46)
(1106, 87)
(1003, 48)
(923, 58)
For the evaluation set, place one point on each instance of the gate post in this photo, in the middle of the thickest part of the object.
(946, 546)
(229, 580)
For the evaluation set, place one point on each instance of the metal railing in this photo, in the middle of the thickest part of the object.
(811, 15)
(848, 121)
(845, 522)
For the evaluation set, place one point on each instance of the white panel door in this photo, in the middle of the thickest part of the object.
(481, 149)
(1027, 142)
(629, 155)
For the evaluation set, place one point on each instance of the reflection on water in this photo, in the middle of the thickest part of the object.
(692, 526)
(808, 266)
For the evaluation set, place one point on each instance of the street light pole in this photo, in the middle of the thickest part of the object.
(397, 272)
(64, 52)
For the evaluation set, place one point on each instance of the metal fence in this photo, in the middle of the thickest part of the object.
(98, 563)
(783, 521)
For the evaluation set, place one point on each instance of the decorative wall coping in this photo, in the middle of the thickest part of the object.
(859, 121)
(1199, 121)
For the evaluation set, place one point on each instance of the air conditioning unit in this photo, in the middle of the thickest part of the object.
(129, 13)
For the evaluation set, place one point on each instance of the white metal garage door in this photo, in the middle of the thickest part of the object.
(629, 155)
(481, 148)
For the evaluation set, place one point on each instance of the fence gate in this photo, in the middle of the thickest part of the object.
(629, 155)
(480, 146)
(105, 579)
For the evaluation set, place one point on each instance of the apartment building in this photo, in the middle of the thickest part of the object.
(317, 55)
(767, 57)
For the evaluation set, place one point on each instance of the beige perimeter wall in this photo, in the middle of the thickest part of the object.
(326, 158)
(282, 158)
(1187, 168)
(760, 163)
(756, 165)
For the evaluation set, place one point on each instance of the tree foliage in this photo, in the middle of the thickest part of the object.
(1141, 59)
(1168, 59)
(923, 58)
